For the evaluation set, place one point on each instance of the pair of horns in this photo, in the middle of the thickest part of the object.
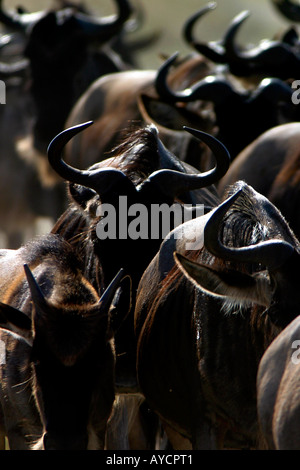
(217, 89)
(105, 299)
(170, 182)
(274, 58)
(22, 323)
(96, 27)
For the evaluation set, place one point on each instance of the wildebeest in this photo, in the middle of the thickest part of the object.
(271, 165)
(62, 51)
(251, 111)
(57, 372)
(126, 101)
(22, 196)
(142, 171)
(145, 174)
(201, 98)
(278, 400)
(271, 58)
(289, 9)
(63, 63)
(199, 343)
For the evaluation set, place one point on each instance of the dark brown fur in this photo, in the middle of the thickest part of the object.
(198, 354)
(57, 381)
(128, 100)
(270, 164)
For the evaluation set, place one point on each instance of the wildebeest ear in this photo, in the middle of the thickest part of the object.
(80, 194)
(16, 321)
(234, 285)
(35, 290)
(168, 115)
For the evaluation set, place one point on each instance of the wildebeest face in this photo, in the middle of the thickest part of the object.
(72, 360)
(144, 174)
(67, 382)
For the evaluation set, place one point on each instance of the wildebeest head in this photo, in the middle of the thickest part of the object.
(271, 58)
(72, 359)
(144, 172)
(60, 46)
(256, 256)
(252, 111)
(110, 221)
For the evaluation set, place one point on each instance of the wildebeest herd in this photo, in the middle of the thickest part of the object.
(132, 341)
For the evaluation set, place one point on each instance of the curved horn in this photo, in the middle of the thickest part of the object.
(288, 9)
(16, 68)
(210, 88)
(187, 30)
(213, 50)
(272, 89)
(101, 28)
(99, 180)
(268, 56)
(139, 19)
(19, 21)
(174, 183)
(229, 38)
(9, 69)
(108, 294)
(271, 253)
(6, 39)
(105, 28)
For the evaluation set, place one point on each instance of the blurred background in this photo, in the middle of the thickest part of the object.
(166, 17)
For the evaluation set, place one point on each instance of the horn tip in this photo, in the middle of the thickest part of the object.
(243, 15)
(173, 57)
(26, 268)
(121, 272)
(81, 126)
(196, 132)
(85, 124)
(28, 273)
(212, 5)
